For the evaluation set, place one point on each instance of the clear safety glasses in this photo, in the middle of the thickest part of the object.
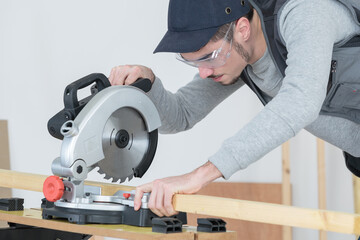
(212, 60)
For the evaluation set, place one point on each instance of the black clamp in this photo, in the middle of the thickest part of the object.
(211, 225)
(46, 204)
(166, 225)
(11, 204)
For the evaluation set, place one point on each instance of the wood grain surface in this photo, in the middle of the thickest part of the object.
(263, 192)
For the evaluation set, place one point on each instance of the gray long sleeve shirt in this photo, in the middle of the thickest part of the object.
(310, 30)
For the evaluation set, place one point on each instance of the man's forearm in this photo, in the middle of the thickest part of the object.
(206, 174)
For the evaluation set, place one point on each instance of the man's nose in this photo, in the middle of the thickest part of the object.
(205, 72)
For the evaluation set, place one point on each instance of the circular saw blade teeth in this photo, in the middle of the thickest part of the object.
(115, 180)
(100, 171)
(107, 177)
(130, 177)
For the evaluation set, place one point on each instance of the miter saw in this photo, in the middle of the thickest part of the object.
(115, 130)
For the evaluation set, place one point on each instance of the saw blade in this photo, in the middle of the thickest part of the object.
(125, 143)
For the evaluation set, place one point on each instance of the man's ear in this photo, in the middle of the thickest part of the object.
(242, 28)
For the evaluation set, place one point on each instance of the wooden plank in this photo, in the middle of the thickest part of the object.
(213, 236)
(33, 217)
(268, 213)
(356, 189)
(264, 192)
(321, 180)
(96, 238)
(34, 182)
(4, 154)
(286, 185)
(4, 159)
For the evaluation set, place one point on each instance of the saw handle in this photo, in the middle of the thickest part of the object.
(70, 95)
(143, 84)
(71, 102)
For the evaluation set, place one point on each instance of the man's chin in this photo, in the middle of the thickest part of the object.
(233, 81)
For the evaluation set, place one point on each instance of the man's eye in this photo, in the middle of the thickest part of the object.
(205, 57)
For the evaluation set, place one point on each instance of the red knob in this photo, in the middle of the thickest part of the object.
(53, 188)
(126, 195)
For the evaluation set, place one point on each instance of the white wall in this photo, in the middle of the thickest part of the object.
(46, 44)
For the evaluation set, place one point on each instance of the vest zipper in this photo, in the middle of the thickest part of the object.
(332, 73)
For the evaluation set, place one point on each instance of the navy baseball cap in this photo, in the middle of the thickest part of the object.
(192, 23)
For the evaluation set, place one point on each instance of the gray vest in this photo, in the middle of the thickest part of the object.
(343, 93)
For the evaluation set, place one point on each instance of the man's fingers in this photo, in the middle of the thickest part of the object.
(131, 78)
(128, 74)
(118, 75)
(159, 202)
(152, 202)
(139, 194)
(111, 76)
(168, 204)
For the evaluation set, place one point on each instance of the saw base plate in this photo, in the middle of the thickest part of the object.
(140, 218)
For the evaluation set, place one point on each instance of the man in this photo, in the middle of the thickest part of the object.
(283, 51)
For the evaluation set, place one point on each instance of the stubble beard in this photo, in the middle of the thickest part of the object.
(244, 55)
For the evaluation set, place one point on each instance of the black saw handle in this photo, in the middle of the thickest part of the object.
(72, 106)
(70, 95)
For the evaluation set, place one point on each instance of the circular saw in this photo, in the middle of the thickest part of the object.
(113, 130)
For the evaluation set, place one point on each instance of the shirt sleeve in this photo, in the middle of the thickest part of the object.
(180, 111)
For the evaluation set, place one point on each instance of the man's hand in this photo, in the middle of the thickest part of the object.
(163, 190)
(128, 74)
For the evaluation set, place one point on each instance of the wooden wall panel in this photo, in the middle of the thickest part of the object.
(263, 192)
(4, 159)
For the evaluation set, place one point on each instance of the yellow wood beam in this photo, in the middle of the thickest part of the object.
(286, 185)
(34, 182)
(268, 213)
(321, 179)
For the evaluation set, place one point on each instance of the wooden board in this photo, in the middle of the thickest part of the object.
(263, 192)
(271, 213)
(321, 180)
(286, 185)
(34, 182)
(33, 217)
(4, 155)
(356, 189)
(4, 159)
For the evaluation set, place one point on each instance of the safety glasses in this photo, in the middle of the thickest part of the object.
(212, 60)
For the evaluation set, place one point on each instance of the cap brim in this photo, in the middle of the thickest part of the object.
(183, 42)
